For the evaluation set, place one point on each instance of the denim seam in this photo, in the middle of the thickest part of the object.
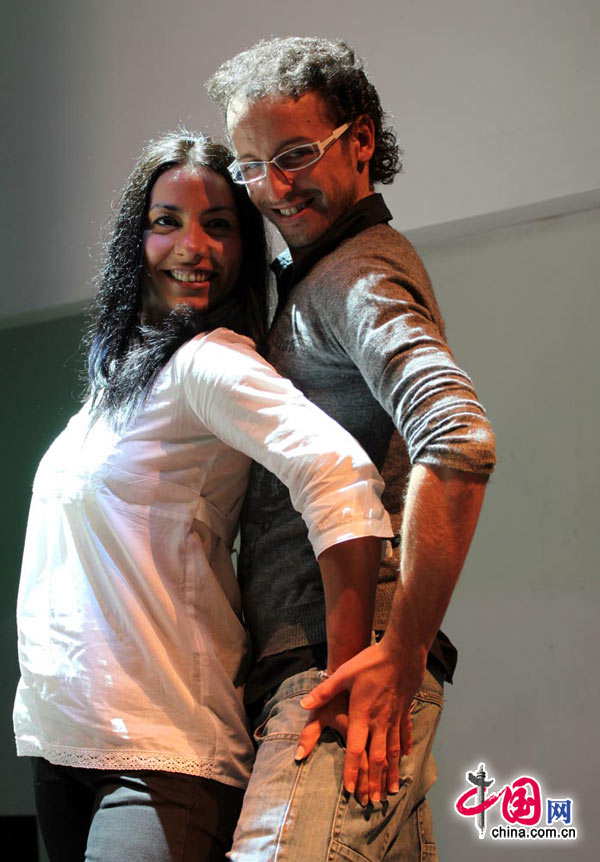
(280, 842)
(342, 851)
(337, 824)
(428, 849)
(297, 692)
(430, 697)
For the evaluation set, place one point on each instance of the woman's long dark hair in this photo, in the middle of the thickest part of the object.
(125, 355)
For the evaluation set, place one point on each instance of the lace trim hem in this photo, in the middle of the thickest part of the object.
(92, 758)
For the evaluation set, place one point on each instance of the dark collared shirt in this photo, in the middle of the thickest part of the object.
(289, 270)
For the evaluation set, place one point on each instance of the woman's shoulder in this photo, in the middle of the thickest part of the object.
(221, 335)
(214, 353)
(208, 342)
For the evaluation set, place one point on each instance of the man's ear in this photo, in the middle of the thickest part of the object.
(363, 132)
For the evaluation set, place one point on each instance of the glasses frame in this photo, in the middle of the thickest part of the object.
(235, 167)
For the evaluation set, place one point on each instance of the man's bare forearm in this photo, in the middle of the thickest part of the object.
(440, 515)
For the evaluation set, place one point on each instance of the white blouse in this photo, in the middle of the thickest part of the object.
(131, 645)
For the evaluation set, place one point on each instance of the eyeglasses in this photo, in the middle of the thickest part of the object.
(295, 159)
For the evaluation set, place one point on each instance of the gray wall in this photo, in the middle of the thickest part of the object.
(522, 307)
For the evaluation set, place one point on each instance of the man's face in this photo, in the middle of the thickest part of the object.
(301, 204)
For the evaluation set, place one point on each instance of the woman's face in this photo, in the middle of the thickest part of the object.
(192, 242)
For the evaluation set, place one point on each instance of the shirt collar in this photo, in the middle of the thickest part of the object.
(367, 212)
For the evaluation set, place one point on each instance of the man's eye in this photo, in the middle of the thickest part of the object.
(250, 169)
(294, 158)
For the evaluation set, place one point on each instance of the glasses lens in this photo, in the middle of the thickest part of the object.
(250, 171)
(298, 157)
(235, 173)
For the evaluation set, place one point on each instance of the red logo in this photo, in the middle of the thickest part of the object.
(521, 800)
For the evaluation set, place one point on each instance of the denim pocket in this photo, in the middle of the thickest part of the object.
(284, 720)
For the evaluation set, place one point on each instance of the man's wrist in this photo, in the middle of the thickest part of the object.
(399, 652)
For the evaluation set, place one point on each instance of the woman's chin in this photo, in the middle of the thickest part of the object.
(196, 303)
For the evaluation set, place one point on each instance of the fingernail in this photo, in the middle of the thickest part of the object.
(350, 788)
(364, 800)
(375, 797)
(300, 753)
(394, 788)
(307, 702)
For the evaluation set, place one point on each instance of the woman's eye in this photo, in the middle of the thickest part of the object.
(165, 221)
(218, 224)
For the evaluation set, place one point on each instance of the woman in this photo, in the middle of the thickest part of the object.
(131, 647)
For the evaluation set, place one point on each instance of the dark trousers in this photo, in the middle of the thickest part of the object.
(102, 815)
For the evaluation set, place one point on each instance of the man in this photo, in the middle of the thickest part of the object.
(358, 330)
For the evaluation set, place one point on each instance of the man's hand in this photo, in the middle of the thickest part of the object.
(379, 725)
(440, 514)
(334, 714)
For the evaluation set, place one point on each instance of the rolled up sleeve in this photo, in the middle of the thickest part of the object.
(388, 323)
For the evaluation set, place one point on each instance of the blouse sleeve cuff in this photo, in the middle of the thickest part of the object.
(321, 540)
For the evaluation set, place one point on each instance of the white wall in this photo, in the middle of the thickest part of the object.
(495, 104)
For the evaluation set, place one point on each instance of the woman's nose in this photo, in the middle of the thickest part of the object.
(194, 241)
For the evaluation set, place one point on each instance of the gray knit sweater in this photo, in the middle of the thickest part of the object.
(362, 336)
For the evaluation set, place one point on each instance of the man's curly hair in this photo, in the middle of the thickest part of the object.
(294, 66)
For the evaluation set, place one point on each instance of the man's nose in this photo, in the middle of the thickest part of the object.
(277, 183)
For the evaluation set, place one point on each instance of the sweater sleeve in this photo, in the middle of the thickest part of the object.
(243, 401)
(384, 316)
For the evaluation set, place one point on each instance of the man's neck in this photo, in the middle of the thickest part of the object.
(368, 211)
(298, 253)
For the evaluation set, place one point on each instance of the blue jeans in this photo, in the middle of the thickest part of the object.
(135, 816)
(300, 812)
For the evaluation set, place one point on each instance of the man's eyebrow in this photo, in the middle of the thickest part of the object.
(286, 145)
